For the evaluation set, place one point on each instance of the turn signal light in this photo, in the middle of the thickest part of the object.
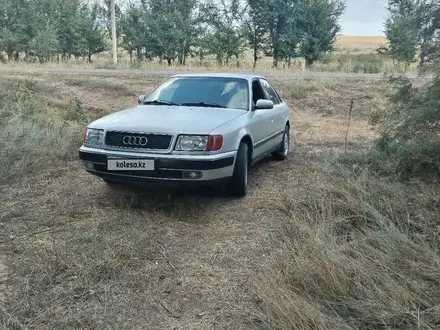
(215, 142)
(85, 135)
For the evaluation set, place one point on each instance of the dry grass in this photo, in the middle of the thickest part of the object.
(32, 133)
(316, 244)
(331, 97)
(344, 61)
(354, 256)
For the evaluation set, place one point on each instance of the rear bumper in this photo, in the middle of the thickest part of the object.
(169, 170)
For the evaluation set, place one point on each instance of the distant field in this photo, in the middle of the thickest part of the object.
(360, 43)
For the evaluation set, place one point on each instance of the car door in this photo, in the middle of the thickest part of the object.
(279, 112)
(260, 124)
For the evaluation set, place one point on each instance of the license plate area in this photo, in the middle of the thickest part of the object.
(127, 164)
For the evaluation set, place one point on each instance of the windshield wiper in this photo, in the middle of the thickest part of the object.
(204, 104)
(159, 102)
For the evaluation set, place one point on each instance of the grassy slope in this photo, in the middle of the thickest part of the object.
(317, 243)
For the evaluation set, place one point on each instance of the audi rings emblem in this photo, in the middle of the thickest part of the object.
(139, 141)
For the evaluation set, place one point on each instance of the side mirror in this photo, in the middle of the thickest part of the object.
(141, 99)
(264, 104)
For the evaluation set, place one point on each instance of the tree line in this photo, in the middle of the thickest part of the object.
(170, 30)
(46, 29)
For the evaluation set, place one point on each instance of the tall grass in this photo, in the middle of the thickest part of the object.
(346, 60)
(359, 252)
(359, 63)
(33, 136)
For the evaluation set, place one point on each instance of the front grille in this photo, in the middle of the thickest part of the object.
(154, 141)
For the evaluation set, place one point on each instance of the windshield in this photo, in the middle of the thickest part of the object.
(203, 92)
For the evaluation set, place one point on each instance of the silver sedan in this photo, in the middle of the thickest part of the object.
(194, 129)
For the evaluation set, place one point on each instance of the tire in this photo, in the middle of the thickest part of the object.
(283, 151)
(238, 186)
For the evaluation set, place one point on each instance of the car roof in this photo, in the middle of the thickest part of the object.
(247, 76)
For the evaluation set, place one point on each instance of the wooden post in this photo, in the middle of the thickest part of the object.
(114, 41)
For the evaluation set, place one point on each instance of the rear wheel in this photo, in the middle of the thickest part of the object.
(284, 149)
(239, 185)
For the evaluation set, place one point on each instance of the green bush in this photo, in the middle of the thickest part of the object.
(326, 58)
(368, 63)
(411, 132)
(419, 157)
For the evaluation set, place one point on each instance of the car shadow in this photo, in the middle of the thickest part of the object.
(182, 204)
(179, 204)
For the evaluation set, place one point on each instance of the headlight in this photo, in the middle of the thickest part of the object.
(191, 143)
(93, 137)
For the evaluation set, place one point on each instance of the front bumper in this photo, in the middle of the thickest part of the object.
(170, 170)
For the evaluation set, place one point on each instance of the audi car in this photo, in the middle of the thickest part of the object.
(193, 130)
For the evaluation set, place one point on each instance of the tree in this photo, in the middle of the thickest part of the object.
(12, 36)
(290, 39)
(297, 28)
(45, 44)
(105, 17)
(254, 27)
(41, 21)
(412, 31)
(401, 29)
(164, 29)
(224, 36)
(92, 41)
(278, 13)
(133, 29)
(428, 18)
(69, 38)
(319, 27)
(189, 29)
(44, 29)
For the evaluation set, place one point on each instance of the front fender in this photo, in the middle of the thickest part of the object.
(243, 132)
(233, 132)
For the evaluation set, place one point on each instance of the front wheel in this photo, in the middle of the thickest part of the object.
(239, 184)
(284, 149)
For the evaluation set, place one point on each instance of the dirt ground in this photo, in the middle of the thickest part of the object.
(76, 254)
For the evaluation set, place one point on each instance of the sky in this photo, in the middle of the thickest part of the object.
(364, 17)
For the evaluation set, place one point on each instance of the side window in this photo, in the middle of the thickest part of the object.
(270, 92)
(257, 93)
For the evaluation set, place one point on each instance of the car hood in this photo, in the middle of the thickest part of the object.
(167, 119)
